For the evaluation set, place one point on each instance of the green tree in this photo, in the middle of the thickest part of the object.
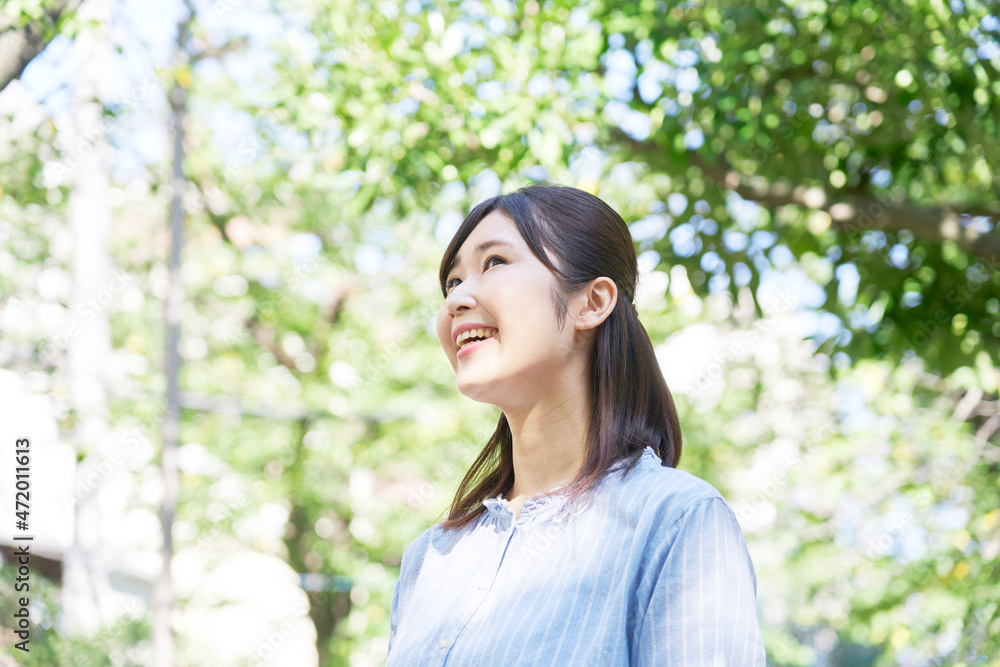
(866, 131)
(327, 159)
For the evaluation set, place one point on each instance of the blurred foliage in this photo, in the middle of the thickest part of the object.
(333, 147)
(110, 645)
(868, 130)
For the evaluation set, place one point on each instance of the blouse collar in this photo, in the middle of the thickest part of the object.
(540, 504)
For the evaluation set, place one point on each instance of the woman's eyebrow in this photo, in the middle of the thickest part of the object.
(485, 245)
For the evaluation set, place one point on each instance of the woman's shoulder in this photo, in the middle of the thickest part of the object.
(434, 537)
(414, 552)
(667, 491)
(421, 542)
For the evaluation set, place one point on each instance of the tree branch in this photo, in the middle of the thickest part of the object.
(20, 44)
(265, 337)
(851, 213)
(860, 213)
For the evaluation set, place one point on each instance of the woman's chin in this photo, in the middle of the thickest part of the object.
(477, 391)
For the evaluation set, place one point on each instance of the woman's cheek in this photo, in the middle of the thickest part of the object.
(443, 331)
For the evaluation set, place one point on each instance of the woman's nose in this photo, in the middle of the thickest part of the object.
(459, 298)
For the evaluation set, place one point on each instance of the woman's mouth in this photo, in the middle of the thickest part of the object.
(469, 348)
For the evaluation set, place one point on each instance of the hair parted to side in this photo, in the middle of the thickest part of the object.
(631, 406)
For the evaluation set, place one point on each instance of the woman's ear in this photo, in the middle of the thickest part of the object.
(595, 303)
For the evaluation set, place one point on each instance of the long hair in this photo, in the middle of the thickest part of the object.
(630, 407)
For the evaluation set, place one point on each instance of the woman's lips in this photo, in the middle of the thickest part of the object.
(469, 348)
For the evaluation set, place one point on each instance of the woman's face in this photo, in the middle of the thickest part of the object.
(508, 289)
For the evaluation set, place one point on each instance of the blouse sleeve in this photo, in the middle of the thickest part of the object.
(409, 565)
(701, 607)
(394, 615)
(398, 594)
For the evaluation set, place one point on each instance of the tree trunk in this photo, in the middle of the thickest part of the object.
(326, 607)
(85, 593)
(163, 639)
(20, 44)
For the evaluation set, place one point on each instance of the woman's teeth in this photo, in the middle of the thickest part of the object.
(467, 336)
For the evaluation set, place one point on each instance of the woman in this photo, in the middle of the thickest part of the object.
(573, 539)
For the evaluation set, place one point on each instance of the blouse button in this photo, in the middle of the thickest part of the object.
(443, 643)
(483, 584)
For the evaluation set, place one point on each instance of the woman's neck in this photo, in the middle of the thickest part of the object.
(549, 446)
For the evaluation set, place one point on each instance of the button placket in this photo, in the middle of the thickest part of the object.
(482, 591)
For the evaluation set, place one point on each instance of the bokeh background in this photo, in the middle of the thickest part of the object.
(220, 227)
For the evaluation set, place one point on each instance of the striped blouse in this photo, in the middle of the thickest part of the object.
(651, 569)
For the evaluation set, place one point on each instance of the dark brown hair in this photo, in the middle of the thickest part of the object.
(631, 407)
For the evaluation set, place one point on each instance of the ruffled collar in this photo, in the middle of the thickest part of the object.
(541, 504)
(533, 508)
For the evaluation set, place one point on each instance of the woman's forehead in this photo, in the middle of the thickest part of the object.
(495, 222)
(487, 234)
(495, 226)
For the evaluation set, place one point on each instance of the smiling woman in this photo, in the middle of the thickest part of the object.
(573, 539)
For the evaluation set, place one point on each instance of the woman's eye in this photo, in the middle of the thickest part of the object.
(449, 285)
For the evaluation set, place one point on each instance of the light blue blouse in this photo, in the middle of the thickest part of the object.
(651, 569)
